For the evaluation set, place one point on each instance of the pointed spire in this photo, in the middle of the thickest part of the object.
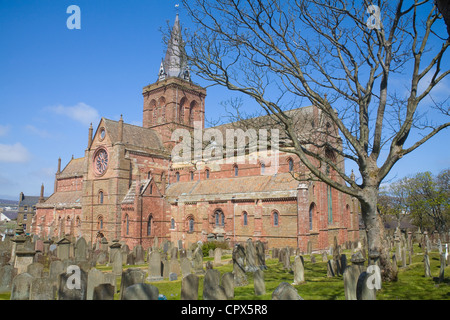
(175, 61)
(162, 72)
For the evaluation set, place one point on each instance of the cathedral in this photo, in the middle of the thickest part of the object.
(128, 187)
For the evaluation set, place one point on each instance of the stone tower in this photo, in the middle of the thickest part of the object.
(174, 101)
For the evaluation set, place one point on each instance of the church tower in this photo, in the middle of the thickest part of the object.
(174, 101)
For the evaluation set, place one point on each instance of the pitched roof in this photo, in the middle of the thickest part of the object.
(28, 201)
(277, 186)
(134, 136)
(74, 168)
(62, 199)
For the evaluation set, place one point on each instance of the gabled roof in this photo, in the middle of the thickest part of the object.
(74, 168)
(134, 136)
(28, 201)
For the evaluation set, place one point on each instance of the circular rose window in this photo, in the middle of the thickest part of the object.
(101, 161)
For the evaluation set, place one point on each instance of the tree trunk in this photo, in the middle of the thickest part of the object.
(378, 253)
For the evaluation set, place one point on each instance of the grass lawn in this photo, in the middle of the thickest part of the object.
(411, 284)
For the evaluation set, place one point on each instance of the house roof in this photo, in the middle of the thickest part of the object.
(28, 201)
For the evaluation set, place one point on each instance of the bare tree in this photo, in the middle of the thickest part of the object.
(367, 69)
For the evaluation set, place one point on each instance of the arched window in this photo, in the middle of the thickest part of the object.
(236, 170)
(162, 108)
(100, 197)
(127, 225)
(263, 168)
(183, 103)
(312, 208)
(207, 173)
(245, 218)
(191, 112)
(177, 175)
(153, 108)
(291, 164)
(149, 225)
(220, 218)
(191, 224)
(100, 223)
(192, 175)
(151, 189)
(276, 221)
(330, 205)
(172, 223)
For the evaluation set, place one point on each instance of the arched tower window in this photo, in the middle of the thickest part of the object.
(312, 208)
(275, 219)
(100, 197)
(177, 175)
(149, 225)
(245, 218)
(291, 164)
(183, 103)
(127, 225)
(192, 112)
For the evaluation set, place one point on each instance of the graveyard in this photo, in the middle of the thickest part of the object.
(71, 270)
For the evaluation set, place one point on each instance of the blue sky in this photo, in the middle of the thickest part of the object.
(54, 82)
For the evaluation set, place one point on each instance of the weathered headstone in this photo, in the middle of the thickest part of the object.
(185, 265)
(7, 274)
(299, 270)
(72, 284)
(81, 250)
(104, 291)
(21, 286)
(42, 289)
(36, 269)
(117, 267)
(63, 249)
(426, 262)
(212, 290)
(250, 256)
(259, 285)
(260, 255)
(217, 257)
(238, 256)
(140, 291)
(363, 290)
(228, 284)
(285, 291)
(189, 287)
(138, 255)
(95, 278)
(198, 261)
(154, 266)
(130, 277)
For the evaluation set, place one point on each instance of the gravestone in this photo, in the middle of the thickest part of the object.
(42, 289)
(95, 278)
(173, 276)
(442, 268)
(103, 291)
(250, 256)
(130, 277)
(138, 255)
(228, 284)
(154, 266)
(115, 247)
(21, 285)
(285, 291)
(56, 268)
(198, 261)
(331, 268)
(259, 285)
(81, 250)
(36, 269)
(217, 257)
(260, 255)
(189, 287)
(299, 270)
(63, 249)
(363, 291)
(141, 291)
(351, 275)
(72, 284)
(212, 290)
(7, 274)
(117, 267)
(185, 265)
(174, 267)
(238, 256)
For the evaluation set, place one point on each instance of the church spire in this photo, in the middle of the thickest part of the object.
(175, 61)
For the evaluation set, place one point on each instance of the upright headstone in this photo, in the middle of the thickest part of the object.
(154, 266)
(442, 268)
(7, 274)
(95, 278)
(238, 256)
(81, 250)
(130, 277)
(299, 270)
(42, 289)
(198, 261)
(426, 263)
(260, 255)
(250, 256)
(212, 290)
(363, 290)
(117, 267)
(103, 291)
(285, 291)
(228, 284)
(189, 287)
(185, 265)
(140, 291)
(63, 248)
(72, 284)
(21, 286)
(139, 255)
(259, 286)
(217, 257)
(36, 269)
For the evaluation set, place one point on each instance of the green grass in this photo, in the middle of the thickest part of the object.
(411, 284)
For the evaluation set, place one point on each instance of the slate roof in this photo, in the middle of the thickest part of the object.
(136, 136)
(28, 201)
(62, 199)
(74, 168)
(277, 186)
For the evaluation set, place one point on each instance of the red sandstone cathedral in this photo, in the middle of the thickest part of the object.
(128, 186)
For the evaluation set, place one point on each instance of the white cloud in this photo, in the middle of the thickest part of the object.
(80, 112)
(36, 131)
(4, 130)
(15, 153)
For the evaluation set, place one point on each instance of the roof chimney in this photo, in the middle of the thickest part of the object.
(121, 129)
(41, 197)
